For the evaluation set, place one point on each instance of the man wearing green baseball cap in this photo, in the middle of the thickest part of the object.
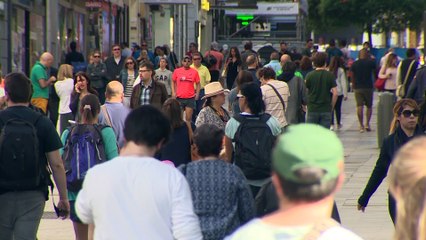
(307, 170)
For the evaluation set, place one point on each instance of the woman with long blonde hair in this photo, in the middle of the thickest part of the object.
(64, 88)
(404, 128)
(407, 178)
(389, 71)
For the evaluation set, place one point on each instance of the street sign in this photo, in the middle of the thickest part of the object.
(205, 5)
(263, 8)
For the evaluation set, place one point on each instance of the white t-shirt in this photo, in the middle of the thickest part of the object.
(64, 89)
(137, 198)
(257, 229)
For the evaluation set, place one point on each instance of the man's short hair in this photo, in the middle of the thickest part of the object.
(251, 59)
(248, 45)
(208, 139)
(266, 73)
(275, 56)
(411, 52)
(147, 65)
(320, 59)
(18, 87)
(115, 45)
(309, 40)
(147, 126)
(308, 170)
(73, 45)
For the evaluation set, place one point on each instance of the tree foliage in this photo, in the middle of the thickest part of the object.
(372, 15)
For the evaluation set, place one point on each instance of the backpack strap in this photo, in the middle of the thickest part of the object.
(319, 228)
(408, 72)
(278, 95)
(104, 111)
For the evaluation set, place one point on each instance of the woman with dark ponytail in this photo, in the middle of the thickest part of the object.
(252, 133)
(85, 143)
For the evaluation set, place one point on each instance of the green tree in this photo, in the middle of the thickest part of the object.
(374, 16)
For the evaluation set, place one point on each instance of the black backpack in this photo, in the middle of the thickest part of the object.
(21, 167)
(84, 148)
(253, 146)
(210, 60)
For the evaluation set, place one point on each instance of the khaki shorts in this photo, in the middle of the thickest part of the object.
(40, 103)
(364, 97)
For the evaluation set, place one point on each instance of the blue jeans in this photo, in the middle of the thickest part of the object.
(20, 214)
(321, 118)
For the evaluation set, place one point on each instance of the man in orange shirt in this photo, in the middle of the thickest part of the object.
(184, 79)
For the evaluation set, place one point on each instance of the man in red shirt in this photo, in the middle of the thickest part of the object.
(184, 79)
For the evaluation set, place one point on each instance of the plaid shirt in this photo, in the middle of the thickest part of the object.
(146, 90)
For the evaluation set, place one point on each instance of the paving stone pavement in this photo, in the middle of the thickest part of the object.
(361, 152)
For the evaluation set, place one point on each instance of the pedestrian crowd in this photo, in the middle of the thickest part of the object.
(143, 146)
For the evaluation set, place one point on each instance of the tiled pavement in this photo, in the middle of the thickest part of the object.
(361, 153)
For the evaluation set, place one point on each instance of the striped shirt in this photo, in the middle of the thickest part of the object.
(129, 86)
(272, 102)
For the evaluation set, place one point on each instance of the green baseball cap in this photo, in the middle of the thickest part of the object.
(307, 146)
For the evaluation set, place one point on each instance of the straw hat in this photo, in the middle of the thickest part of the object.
(213, 89)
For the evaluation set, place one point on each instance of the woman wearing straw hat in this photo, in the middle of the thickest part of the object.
(213, 112)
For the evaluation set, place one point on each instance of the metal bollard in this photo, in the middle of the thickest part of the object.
(384, 115)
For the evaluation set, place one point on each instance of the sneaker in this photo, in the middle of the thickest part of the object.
(339, 126)
(361, 129)
(331, 128)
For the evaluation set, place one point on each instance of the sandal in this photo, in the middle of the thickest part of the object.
(368, 129)
(361, 129)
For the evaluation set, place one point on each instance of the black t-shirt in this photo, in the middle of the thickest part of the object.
(363, 71)
(178, 148)
(48, 138)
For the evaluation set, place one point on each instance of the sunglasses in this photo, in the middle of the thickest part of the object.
(116, 49)
(407, 113)
(129, 63)
(96, 56)
(197, 58)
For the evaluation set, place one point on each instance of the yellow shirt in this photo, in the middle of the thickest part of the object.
(204, 74)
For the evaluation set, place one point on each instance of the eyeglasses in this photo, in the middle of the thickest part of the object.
(197, 58)
(96, 56)
(144, 45)
(129, 63)
(116, 49)
(407, 113)
(142, 71)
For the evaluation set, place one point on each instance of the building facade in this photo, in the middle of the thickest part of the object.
(31, 27)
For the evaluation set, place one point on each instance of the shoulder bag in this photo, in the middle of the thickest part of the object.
(400, 90)
(278, 94)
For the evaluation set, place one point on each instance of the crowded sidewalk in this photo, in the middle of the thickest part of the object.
(361, 153)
